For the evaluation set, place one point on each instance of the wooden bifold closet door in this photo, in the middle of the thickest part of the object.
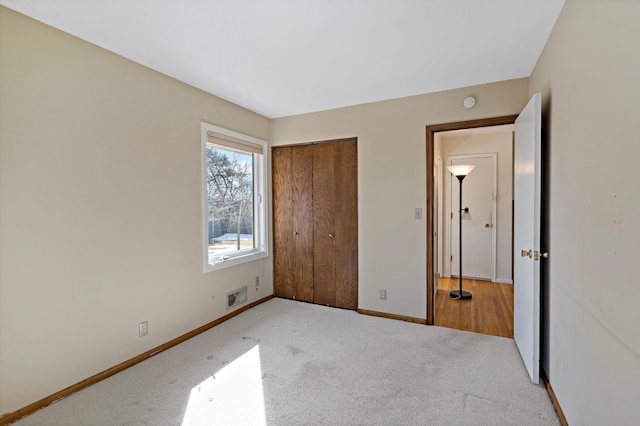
(315, 223)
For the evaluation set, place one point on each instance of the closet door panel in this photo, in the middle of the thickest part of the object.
(324, 187)
(315, 223)
(346, 225)
(282, 222)
(302, 211)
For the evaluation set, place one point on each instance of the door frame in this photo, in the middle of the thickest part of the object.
(450, 208)
(430, 145)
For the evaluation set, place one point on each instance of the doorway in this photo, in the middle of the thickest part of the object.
(435, 224)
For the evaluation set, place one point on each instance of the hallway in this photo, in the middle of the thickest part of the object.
(490, 311)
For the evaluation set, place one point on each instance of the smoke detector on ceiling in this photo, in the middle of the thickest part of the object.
(469, 102)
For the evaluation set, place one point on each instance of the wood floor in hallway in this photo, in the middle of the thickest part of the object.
(489, 311)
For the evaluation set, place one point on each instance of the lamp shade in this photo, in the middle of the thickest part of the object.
(461, 169)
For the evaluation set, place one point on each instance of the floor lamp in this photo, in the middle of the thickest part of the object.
(460, 171)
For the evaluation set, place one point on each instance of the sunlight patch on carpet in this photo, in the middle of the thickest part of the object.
(233, 395)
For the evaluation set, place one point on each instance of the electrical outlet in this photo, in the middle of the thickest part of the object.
(143, 328)
(257, 282)
(383, 294)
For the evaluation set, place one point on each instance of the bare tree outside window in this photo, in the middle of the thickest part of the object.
(230, 199)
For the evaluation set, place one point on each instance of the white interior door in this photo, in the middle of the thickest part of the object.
(526, 237)
(478, 224)
(439, 226)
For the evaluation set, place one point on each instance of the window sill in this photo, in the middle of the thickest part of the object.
(235, 261)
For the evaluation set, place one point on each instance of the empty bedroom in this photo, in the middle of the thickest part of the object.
(232, 212)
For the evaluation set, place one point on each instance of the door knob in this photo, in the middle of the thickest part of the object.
(537, 255)
(487, 225)
(330, 235)
(526, 253)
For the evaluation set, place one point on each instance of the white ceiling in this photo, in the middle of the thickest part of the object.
(287, 57)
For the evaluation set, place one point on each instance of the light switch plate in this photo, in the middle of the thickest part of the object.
(418, 213)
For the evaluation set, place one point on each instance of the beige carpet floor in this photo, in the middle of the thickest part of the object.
(293, 363)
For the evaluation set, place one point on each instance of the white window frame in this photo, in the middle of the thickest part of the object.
(260, 230)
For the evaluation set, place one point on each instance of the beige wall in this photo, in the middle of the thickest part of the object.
(455, 143)
(392, 180)
(589, 76)
(100, 211)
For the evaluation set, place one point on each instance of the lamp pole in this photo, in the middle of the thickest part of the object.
(460, 171)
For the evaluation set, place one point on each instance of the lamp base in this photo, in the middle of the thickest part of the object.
(457, 294)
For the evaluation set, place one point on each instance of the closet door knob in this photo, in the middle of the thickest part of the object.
(330, 235)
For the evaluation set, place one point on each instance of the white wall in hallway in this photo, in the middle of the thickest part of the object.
(500, 142)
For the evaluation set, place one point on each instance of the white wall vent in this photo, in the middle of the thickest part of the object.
(237, 297)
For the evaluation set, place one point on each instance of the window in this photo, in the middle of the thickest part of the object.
(233, 186)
